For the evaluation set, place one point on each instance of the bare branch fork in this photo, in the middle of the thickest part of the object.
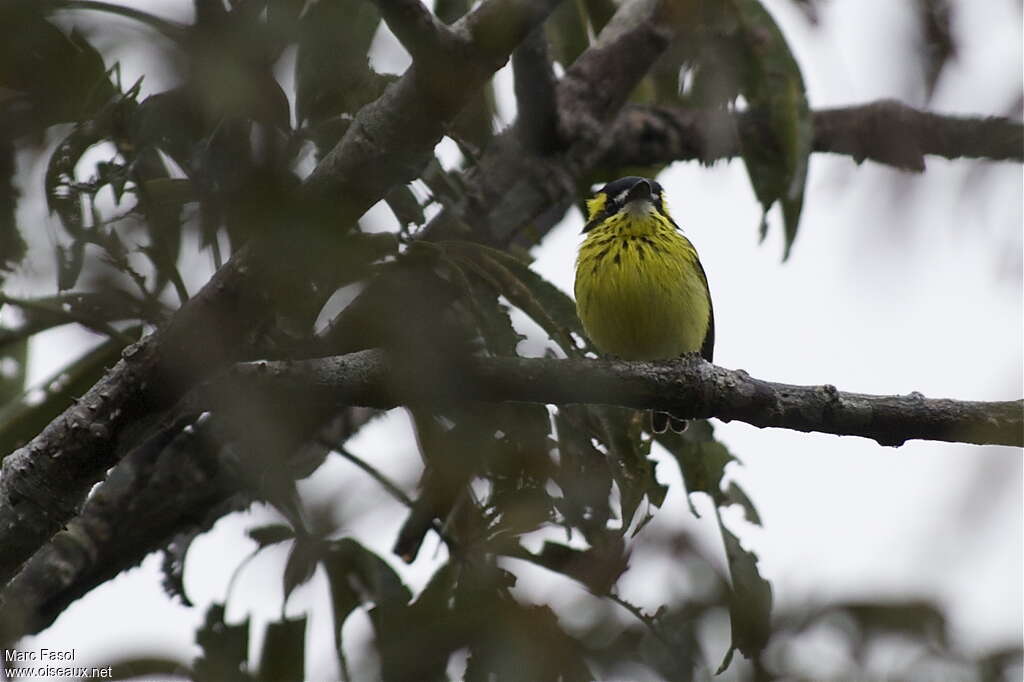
(689, 387)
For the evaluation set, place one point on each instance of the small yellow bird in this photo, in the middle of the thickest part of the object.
(641, 292)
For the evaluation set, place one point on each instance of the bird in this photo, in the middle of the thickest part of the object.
(641, 291)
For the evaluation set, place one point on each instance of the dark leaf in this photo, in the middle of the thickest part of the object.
(528, 291)
(283, 656)
(939, 46)
(270, 534)
(12, 246)
(302, 562)
(583, 475)
(172, 122)
(598, 567)
(70, 260)
(632, 468)
(567, 32)
(522, 642)
(750, 600)
(56, 77)
(415, 640)
(63, 193)
(734, 494)
(172, 565)
(490, 317)
(13, 362)
(224, 649)
(450, 11)
(358, 576)
(406, 207)
(702, 460)
(777, 150)
(914, 618)
(332, 72)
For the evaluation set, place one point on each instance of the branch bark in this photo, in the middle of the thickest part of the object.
(511, 188)
(689, 387)
(416, 28)
(43, 484)
(885, 131)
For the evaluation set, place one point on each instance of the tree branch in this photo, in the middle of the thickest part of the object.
(544, 187)
(689, 387)
(165, 491)
(43, 484)
(512, 190)
(537, 118)
(885, 131)
(391, 138)
(419, 31)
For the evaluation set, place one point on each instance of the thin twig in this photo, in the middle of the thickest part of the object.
(383, 480)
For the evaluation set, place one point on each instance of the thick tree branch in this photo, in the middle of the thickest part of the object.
(393, 138)
(885, 131)
(390, 138)
(43, 484)
(165, 491)
(514, 192)
(689, 387)
(538, 190)
(537, 119)
(419, 31)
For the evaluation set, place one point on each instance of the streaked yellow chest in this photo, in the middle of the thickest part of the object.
(640, 293)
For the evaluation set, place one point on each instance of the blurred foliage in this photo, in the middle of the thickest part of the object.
(131, 176)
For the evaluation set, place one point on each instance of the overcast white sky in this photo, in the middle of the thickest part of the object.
(896, 283)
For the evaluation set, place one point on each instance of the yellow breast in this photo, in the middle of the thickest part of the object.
(640, 291)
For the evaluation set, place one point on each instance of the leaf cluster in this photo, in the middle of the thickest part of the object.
(131, 177)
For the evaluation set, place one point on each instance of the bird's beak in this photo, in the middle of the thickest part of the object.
(640, 191)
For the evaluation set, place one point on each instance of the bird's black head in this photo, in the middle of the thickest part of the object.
(611, 198)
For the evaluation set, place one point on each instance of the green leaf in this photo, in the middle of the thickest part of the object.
(519, 642)
(450, 11)
(777, 148)
(734, 494)
(702, 460)
(348, 564)
(542, 301)
(270, 534)
(414, 641)
(567, 32)
(225, 649)
(405, 206)
(302, 562)
(490, 316)
(583, 475)
(332, 71)
(58, 77)
(283, 656)
(598, 567)
(12, 246)
(13, 362)
(558, 305)
(632, 468)
(913, 618)
(750, 600)
(63, 195)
